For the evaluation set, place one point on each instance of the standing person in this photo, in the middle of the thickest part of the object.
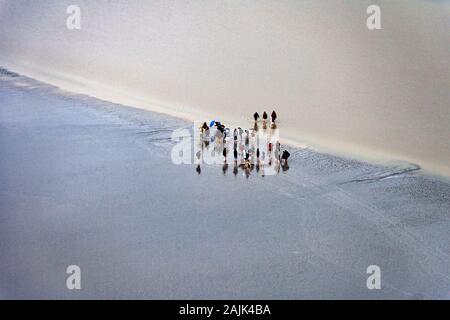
(264, 120)
(235, 154)
(256, 116)
(273, 116)
(277, 150)
(224, 153)
(285, 156)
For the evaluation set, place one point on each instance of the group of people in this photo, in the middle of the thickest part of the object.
(273, 116)
(252, 148)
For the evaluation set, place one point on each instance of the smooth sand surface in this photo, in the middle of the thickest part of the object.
(373, 93)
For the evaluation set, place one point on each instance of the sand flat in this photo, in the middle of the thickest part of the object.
(88, 182)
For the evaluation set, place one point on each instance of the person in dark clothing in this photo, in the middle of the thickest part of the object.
(273, 116)
(235, 154)
(257, 153)
(264, 125)
(205, 126)
(225, 154)
(256, 116)
(285, 156)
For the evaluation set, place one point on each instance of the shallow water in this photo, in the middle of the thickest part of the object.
(91, 183)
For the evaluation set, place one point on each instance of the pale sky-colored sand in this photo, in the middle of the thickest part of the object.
(91, 183)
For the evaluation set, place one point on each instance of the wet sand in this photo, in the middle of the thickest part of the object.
(88, 182)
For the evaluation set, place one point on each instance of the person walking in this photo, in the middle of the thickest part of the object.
(285, 156)
(278, 150)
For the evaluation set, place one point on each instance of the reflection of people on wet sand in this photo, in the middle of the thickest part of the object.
(198, 156)
(224, 153)
(225, 168)
(277, 166)
(235, 168)
(247, 171)
(242, 152)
